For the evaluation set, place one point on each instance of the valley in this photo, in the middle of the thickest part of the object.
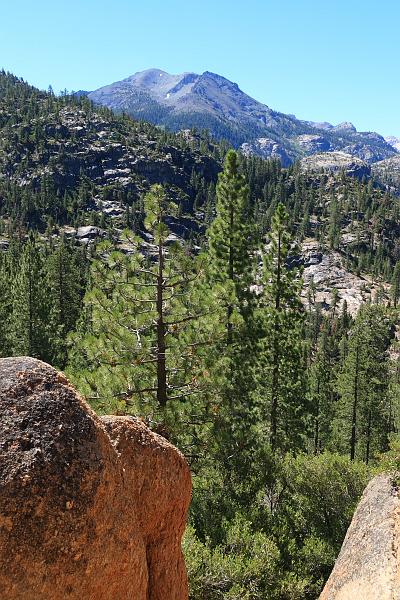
(218, 276)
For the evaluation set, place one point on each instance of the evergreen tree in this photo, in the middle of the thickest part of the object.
(30, 319)
(231, 274)
(322, 376)
(396, 284)
(230, 244)
(65, 281)
(361, 422)
(5, 303)
(139, 348)
(282, 381)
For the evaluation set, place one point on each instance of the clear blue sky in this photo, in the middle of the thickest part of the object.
(331, 60)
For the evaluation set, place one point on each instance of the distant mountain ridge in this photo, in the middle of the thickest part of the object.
(393, 141)
(210, 101)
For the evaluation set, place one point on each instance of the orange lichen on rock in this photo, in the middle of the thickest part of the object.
(90, 509)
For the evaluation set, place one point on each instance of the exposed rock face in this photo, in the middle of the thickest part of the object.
(158, 481)
(107, 152)
(387, 172)
(327, 271)
(345, 126)
(368, 566)
(313, 144)
(87, 511)
(393, 141)
(336, 161)
(267, 148)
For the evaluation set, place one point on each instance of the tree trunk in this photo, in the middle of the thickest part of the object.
(162, 395)
(276, 357)
(316, 437)
(368, 437)
(354, 414)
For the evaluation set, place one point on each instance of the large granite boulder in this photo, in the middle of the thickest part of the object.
(368, 566)
(89, 509)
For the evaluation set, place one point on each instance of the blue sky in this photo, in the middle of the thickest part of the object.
(321, 60)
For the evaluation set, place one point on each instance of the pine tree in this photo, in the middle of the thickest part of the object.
(361, 422)
(5, 303)
(396, 284)
(231, 275)
(322, 375)
(30, 319)
(230, 243)
(65, 281)
(283, 371)
(147, 323)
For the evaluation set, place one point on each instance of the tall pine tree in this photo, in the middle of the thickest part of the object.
(282, 381)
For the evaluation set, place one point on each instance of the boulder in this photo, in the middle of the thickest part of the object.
(159, 485)
(368, 566)
(90, 509)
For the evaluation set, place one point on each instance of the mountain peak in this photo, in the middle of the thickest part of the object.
(211, 101)
(345, 126)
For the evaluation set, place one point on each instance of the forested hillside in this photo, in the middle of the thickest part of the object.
(245, 311)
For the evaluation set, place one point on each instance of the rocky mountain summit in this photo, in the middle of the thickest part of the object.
(89, 508)
(212, 102)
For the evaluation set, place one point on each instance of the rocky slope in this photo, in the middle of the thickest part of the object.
(62, 161)
(210, 101)
(368, 566)
(387, 172)
(73, 141)
(88, 508)
(394, 141)
(325, 271)
(336, 162)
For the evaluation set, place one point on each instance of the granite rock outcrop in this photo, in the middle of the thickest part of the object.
(89, 509)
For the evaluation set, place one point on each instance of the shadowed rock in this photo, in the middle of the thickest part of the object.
(87, 511)
(368, 566)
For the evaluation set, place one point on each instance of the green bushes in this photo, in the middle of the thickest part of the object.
(284, 544)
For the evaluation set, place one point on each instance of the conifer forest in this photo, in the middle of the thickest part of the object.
(167, 275)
